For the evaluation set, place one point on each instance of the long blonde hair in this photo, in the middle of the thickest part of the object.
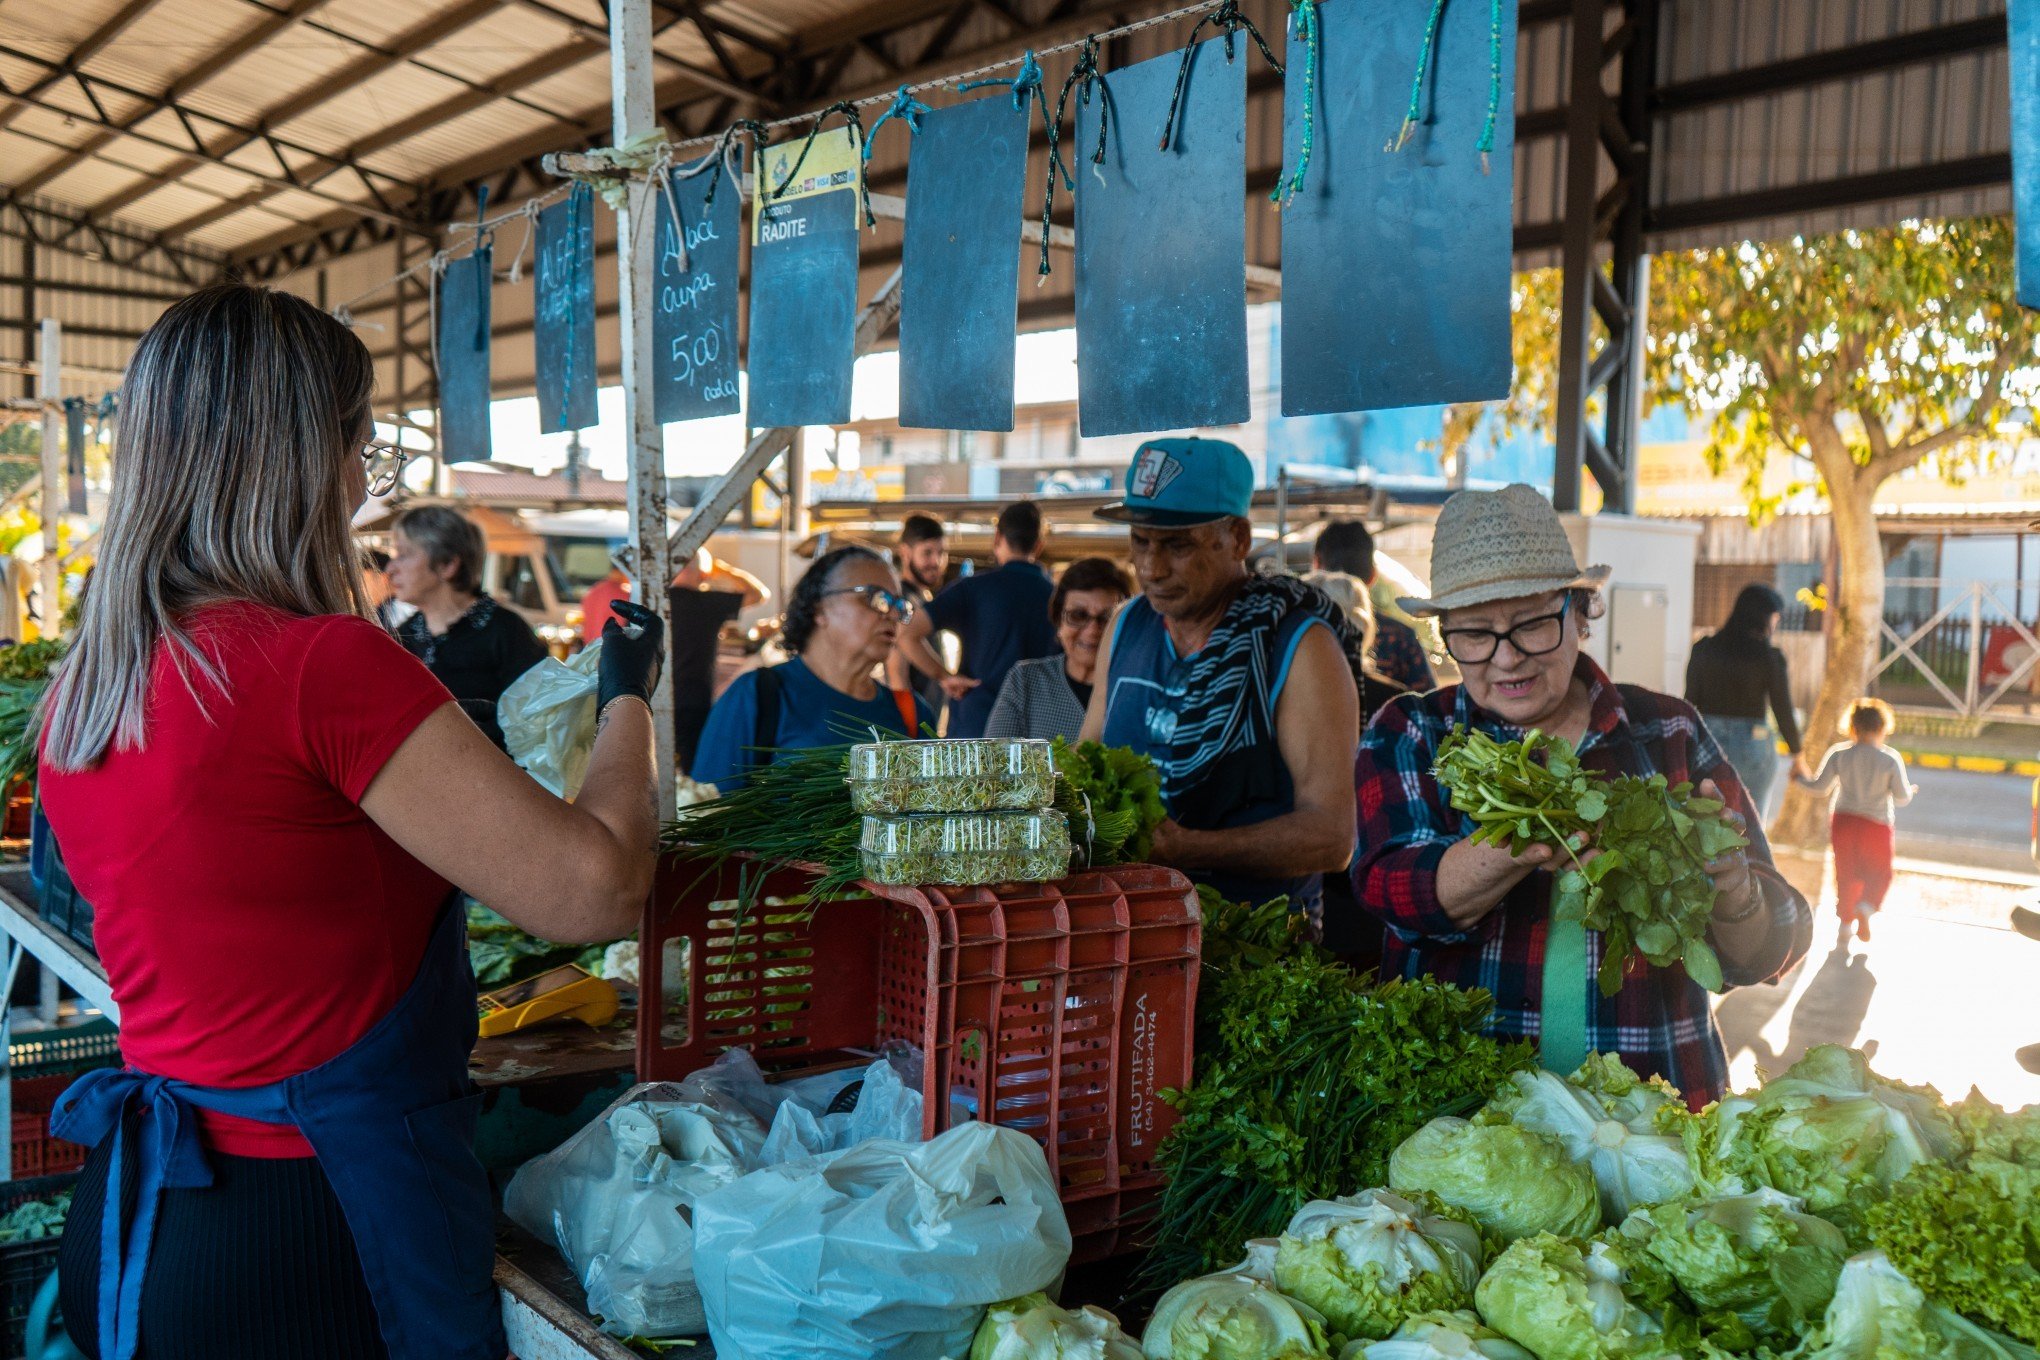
(240, 409)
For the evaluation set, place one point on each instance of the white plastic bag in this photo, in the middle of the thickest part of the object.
(548, 719)
(889, 1251)
(616, 1198)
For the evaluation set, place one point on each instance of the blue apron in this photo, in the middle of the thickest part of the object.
(392, 1120)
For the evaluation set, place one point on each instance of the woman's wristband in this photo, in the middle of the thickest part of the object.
(1750, 909)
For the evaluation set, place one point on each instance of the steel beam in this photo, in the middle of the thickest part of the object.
(1606, 132)
(116, 24)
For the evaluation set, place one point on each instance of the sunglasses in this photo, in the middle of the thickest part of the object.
(884, 602)
(1080, 619)
(384, 463)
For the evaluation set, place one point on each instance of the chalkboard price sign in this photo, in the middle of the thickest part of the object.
(694, 323)
(1162, 250)
(1395, 264)
(804, 282)
(464, 357)
(564, 301)
(2023, 17)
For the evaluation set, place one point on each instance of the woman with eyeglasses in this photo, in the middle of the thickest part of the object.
(1047, 697)
(269, 804)
(475, 646)
(1514, 608)
(841, 622)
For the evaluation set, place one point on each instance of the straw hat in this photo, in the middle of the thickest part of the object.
(1499, 545)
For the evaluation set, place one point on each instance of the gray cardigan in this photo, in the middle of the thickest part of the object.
(1036, 701)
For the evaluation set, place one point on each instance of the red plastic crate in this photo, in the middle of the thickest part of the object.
(36, 1153)
(1059, 1009)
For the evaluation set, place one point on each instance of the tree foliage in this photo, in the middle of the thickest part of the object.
(1866, 352)
(1532, 401)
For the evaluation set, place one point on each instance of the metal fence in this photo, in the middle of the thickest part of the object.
(1964, 649)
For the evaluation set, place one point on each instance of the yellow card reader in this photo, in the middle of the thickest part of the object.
(568, 992)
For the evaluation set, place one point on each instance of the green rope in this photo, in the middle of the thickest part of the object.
(1229, 21)
(904, 107)
(1494, 95)
(1310, 32)
(1027, 83)
(1415, 113)
(1425, 55)
(855, 123)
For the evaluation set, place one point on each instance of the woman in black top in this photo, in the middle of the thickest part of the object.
(1734, 677)
(475, 646)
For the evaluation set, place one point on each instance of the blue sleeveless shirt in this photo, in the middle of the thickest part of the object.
(1236, 785)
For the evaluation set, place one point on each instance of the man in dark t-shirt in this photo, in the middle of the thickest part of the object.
(999, 616)
(923, 561)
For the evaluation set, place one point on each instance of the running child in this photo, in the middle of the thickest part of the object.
(1871, 785)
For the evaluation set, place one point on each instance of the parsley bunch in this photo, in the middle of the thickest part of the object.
(1645, 888)
(1112, 796)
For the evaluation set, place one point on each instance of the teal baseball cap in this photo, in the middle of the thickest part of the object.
(1178, 483)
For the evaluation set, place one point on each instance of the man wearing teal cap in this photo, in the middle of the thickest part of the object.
(1239, 686)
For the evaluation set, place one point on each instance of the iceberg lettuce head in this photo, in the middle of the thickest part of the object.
(1034, 1328)
(1457, 1335)
(1604, 1116)
(1370, 1260)
(1758, 1256)
(1565, 1301)
(1233, 1317)
(1834, 1134)
(1515, 1182)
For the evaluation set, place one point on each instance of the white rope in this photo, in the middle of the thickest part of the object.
(1182, 12)
(531, 209)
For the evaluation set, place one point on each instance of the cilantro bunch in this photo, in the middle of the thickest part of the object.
(1645, 887)
(1113, 798)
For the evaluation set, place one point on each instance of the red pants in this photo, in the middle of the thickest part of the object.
(1862, 862)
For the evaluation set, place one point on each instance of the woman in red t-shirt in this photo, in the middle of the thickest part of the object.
(269, 803)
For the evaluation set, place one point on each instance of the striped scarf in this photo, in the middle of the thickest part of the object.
(1227, 701)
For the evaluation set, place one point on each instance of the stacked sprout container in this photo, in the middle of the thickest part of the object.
(958, 812)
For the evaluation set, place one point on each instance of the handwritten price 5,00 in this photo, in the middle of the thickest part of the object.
(691, 353)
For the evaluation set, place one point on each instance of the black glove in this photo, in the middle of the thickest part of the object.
(630, 664)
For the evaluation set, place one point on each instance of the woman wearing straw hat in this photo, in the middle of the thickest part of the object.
(1513, 607)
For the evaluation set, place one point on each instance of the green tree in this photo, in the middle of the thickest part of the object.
(1867, 353)
(20, 454)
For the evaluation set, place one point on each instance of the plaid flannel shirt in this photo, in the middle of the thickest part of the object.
(1660, 1021)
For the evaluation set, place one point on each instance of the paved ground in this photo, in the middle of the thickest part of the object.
(1944, 992)
(1982, 821)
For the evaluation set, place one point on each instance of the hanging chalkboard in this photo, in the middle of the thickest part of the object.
(74, 455)
(694, 325)
(2023, 16)
(1162, 248)
(1395, 264)
(463, 358)
(803, 340)
(564, 301)
(966, 183)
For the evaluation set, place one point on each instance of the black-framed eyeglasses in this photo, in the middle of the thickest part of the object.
(384, 464)
(1531, 637)
(890, 603)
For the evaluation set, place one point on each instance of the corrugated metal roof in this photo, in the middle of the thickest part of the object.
(420, 91)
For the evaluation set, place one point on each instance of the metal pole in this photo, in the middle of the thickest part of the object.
(50, 502)
(1577, 250)
(630, 78)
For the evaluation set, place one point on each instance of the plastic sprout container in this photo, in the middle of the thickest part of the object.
(966, 848)
(978, 775)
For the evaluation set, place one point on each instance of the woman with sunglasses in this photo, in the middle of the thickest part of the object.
(841, 622)
(1048, 697)
(1514, 608)
(269, 803)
